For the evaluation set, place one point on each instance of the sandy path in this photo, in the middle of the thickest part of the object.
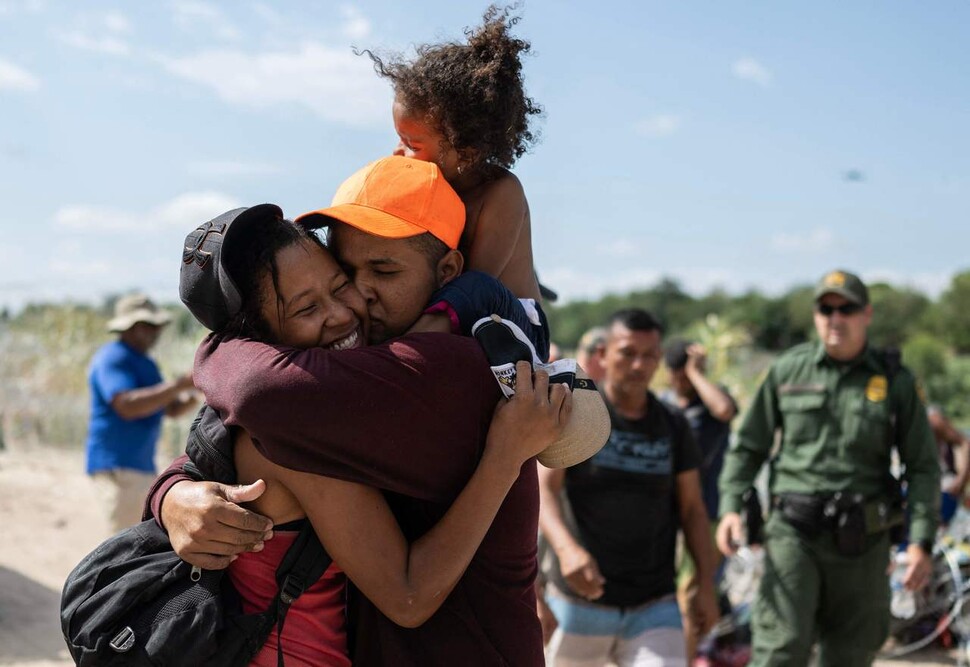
(51, 521)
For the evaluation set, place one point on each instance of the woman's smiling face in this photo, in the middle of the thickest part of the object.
(313, 303)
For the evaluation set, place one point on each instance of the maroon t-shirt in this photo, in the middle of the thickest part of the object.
(408, 417)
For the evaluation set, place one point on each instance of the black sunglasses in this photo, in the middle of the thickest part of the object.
(845, 309)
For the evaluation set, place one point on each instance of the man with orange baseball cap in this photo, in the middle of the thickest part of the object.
(395, 225)
(396, 198)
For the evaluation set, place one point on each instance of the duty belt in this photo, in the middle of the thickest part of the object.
(812, 512)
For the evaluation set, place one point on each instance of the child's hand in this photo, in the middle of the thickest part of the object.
(532, 419)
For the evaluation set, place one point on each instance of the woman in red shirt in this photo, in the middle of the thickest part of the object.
(293, 293)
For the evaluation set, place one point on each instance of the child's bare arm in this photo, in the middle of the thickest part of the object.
(433, 322)
(503, 215)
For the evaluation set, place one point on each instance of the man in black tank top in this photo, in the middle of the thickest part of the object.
(612, 521)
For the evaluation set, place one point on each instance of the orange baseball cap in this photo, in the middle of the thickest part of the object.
(396, 197)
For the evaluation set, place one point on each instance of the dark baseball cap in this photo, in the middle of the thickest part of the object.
(844, 284)
(675, 354)
(205, 285)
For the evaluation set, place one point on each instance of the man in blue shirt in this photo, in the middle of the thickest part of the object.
(128, 399)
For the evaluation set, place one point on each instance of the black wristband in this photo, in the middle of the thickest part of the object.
(926, 546)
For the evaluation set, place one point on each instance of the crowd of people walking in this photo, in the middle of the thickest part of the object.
(355, 379)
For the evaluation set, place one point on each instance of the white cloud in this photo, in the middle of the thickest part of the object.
(80, 269)
(94, 218)
(749, 69)
(619, 249)
(189, 15)
(573, 284)
(100, 33)
(661, 125)
(68, 258)
(234, 168)
(79, 39)
(931, 283)
(267, 13)
(356, 25)
(17, 78)
(183, 211)
(11, 7)
(116, 22)
(334, 84)
(16, 152)
(700, 280)
(193, 207)
(188, 12)
(85, 268)
(814, 241)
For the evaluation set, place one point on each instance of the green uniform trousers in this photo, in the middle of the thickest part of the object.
(811, 592)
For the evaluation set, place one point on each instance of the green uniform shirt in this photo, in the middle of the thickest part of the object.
(834, 420)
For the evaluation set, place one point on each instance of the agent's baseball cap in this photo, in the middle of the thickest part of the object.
(205, 285)
(845, 284)
(396, 197)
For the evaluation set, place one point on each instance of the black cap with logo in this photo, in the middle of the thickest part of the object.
(205, 286)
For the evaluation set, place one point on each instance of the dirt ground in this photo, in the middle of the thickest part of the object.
(51, 520)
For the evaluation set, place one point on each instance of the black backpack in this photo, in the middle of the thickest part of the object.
(133, 601)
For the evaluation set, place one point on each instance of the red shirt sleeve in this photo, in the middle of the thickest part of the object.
(409, 416)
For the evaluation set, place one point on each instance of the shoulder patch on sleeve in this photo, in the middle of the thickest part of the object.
(920, 391)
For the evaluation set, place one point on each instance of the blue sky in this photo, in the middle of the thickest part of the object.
(731, 144)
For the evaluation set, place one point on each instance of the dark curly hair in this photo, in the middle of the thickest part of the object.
(254, 257)
(472, 92)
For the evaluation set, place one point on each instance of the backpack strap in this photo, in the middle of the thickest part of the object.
(670, 416)
(302, 566)
(209, 447)
(892, 363)
(677, 423)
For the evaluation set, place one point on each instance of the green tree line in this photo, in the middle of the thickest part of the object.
(934, 335)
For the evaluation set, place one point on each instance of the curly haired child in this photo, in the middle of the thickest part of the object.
(463, 106)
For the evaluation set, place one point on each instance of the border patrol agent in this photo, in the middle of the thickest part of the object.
(839, 406)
